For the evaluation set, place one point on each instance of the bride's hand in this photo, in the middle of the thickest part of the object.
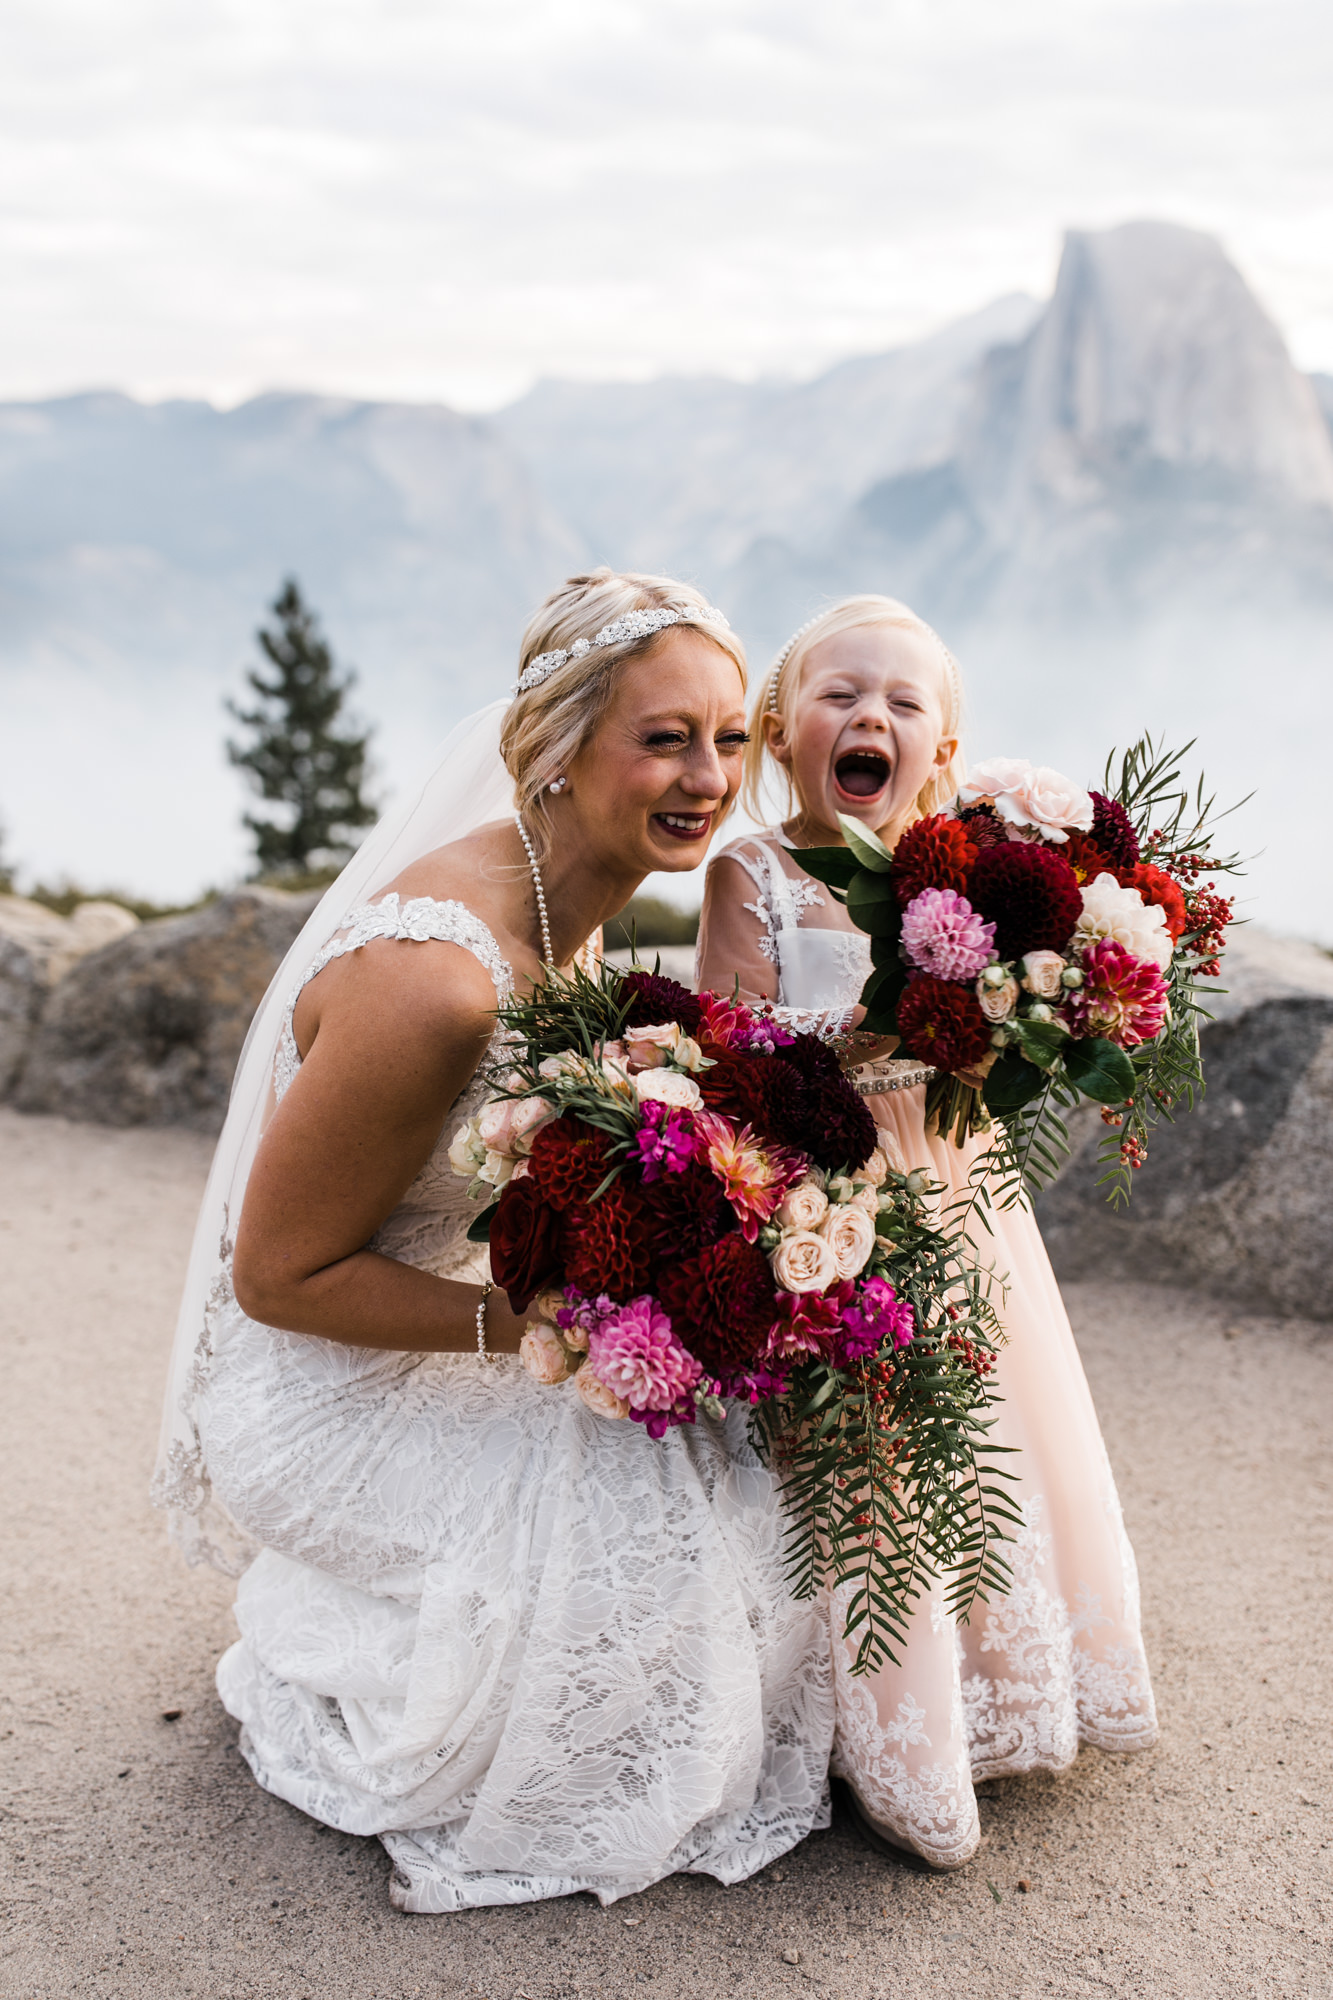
(863, 1048)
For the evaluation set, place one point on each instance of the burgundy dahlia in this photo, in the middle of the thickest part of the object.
(818, 1111)
(936, 853)
(722, 1303)
(751, 1089)
(941, 1023)
(982, 824)
(1113, 831)
(1030, 893)
(685, 1212)
(605, 1245)
(656, 999)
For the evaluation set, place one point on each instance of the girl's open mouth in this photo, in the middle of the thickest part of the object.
(861, 774)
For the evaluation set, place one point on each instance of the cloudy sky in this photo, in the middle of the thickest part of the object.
(445, 198)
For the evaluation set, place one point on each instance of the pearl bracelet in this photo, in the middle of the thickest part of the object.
(486, 1291)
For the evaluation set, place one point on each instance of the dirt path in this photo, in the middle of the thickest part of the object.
(141, 1860)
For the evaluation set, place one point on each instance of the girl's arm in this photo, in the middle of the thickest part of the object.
(732, 935)
(391, 1034)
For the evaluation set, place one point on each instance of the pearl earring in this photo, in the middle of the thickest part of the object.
(557, 784)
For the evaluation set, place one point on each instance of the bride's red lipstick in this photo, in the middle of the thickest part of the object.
(699, 831)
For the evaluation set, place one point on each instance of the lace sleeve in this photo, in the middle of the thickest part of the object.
(737, 933)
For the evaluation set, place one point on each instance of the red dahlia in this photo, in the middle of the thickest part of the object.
(722, 1303)
(569, 1161)
(1087, 859)
(1030, 893)
(941, 1023)
(936, 853)
(1156, 886)
(1113, 831)
(657, 999)
(605, 1244)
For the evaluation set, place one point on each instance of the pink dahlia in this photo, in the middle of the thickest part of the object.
(1122, 997)
(637, 1355)
(943, 934)
(754, 1177)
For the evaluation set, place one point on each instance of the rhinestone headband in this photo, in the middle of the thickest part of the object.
(775, 674)
(631, 625)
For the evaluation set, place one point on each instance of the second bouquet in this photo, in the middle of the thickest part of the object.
(690, 1201)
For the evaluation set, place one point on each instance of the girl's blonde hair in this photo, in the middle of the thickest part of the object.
(547, 726)
(780, 690)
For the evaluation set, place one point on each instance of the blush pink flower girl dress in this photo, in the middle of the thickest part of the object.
(1059, 1660)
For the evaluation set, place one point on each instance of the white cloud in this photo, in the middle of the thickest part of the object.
(422, 200)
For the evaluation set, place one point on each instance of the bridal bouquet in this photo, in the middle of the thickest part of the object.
(691, 1202)
(1039, 944)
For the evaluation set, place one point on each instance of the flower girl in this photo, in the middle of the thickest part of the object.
(860, 717)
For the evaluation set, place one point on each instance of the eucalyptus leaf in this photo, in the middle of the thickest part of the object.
(1041, 1041)
(868, 848)
(1100, 1070)
(834, 866)
(873, 905)
(1012, 1083)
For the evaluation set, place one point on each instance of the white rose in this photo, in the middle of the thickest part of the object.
(467, 1155)
(867, 1198)
(1041, 974)
(531, 1115)
(850, 1235)
(667, 1086)
(802, 1207)
(876, 1168)
(542, 1353)
(1112, 912)
(997, 1001)
(496, 1170)
(495, 1124)
(804, 1262)
(603, 1402)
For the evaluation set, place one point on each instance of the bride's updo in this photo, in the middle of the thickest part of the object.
(549, 723)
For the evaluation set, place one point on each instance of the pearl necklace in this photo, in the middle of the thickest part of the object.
(582, 957)
(542, 917)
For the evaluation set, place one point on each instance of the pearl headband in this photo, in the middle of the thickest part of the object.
(775, 672)
(630, 625)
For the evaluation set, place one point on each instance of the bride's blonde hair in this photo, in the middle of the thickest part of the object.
(548, 724)
(780, 689)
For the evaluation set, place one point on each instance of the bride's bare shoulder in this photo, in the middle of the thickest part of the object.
(477, 871)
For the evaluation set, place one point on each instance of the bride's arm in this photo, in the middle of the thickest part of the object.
(392, 1034)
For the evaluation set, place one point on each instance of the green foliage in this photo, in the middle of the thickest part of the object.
(650, 921)
(298, 756)
(888, 1471)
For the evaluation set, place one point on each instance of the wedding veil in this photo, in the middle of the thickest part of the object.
(468, 786)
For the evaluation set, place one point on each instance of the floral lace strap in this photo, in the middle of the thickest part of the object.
(779, 900)
(421, 920)
(828, 1023)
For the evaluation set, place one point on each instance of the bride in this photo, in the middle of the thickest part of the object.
(534, 1652)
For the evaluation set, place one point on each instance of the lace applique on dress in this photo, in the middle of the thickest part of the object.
(1052, 1693)
(421, 920)
(779, 901)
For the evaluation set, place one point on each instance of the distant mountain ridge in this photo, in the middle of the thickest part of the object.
(1133, 477)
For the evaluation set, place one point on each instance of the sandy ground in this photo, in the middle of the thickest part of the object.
(141, 1860)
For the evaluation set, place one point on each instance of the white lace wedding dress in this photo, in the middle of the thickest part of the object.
(532, 1650)
(1059, 1661)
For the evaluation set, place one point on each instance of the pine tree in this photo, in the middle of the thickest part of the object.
(298, 757)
